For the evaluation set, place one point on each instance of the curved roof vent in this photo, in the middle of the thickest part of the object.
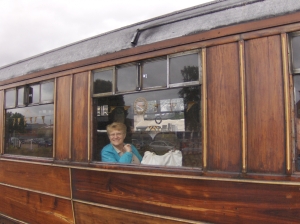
(135, 37)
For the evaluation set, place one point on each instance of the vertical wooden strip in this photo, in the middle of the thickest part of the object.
(80, 117)
(2, 118)
(62, 118)
(54, 118)
(71, 117)
(71, 193)
(287, 108)
(243, 105)
(204, 109)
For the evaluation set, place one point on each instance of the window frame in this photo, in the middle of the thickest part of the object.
(292, 70)
(27, 104)
(139, 71)
(139, 83)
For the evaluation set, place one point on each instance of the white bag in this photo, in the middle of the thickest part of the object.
(171, 158)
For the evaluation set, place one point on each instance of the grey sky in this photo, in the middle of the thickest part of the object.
(30, 27)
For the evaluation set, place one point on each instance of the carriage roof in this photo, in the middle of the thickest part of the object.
(200, 18)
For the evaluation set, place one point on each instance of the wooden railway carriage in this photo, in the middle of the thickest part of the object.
(219, 82)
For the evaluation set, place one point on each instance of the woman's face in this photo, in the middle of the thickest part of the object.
(116, 137)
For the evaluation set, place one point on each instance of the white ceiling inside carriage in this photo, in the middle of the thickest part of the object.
(180, 23)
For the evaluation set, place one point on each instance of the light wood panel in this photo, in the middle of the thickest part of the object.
(265, 105)
(48, 179)
(63, 113)
(80, 117)
(223, 108)
(199, 200)
(34, 208)
(89, 214)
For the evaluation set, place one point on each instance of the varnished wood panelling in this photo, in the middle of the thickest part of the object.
(33, 208)
(63, 113)
(223, 108)
(48, 179)
(192, 199)
(265, 106)
(6, 221)
(80, 117)
(89, 214)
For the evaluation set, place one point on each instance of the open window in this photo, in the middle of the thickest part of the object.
(159, 101)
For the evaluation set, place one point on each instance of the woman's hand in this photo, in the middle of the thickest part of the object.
(127, 148)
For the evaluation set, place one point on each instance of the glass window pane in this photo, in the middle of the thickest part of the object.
(156, 121)
(155, 73)
(29, 131)
(47, 89)
(297, 118)
(184, 68)
(103, 81)
(21, 97)
(296, 52)
(10, 98)
(34, 94)
(126, 78)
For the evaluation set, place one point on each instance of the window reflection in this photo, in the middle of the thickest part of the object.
(297, 118)
(47, 92)
(184, 68)
(29, 131)
(34, 94)
(296, 52)
(169, 120)
(21, 96)
(103, 81)
(127, 78)
(10, 98)
(155, 73)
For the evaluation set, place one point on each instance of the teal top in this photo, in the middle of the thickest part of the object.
(109, 154)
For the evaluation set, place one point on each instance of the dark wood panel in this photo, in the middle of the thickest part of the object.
(199, 200)
(89, 214)
(265, 106)
(7, 221)
(80, 117)
(63, 113)
(33, 207)
(223, 108)
(49, 179)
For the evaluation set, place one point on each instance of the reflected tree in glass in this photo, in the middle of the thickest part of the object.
(191, 96)
(102, 86)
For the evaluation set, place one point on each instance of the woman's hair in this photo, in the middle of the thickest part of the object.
(116, 127)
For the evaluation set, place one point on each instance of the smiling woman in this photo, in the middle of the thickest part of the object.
(117, 151)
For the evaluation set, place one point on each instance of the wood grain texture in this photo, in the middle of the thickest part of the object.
(192, 199)
(89, 214)
(80, 117)
(223, 108)
(33, 208)
(63, 113)
(265, 105)
(4, 220)
(48, 179)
